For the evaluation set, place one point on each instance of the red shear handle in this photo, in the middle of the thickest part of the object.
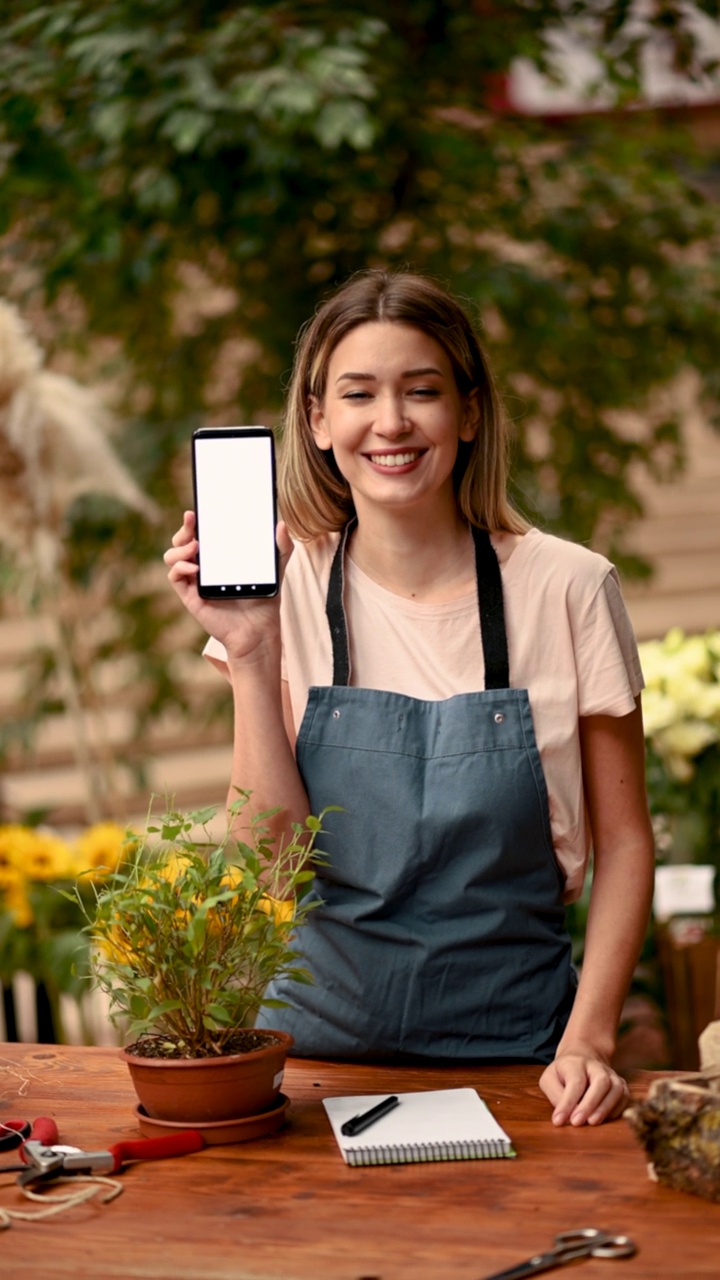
(44, 1130)
(175, 1144)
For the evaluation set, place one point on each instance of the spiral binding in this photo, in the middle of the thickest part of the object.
(425, 1152)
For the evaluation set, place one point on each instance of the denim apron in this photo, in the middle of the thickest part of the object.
(441, 930)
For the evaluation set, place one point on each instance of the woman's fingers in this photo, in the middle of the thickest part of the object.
(241, 625)
(583, 1090)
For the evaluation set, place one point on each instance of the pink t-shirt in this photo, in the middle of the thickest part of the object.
(570, 643)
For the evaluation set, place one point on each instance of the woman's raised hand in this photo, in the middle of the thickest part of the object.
(242, 626)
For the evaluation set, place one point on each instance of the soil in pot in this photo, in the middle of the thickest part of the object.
(205, 1090)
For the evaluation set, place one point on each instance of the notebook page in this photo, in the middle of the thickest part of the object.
(439, 1117)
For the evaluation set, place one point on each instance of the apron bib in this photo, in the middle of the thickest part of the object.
(441, 930)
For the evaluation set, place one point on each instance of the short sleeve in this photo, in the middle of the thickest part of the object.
(216, 653)
(608, 664)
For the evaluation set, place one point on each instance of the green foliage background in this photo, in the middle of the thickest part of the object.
(181, 183)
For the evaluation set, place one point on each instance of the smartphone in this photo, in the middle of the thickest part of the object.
(235, 512)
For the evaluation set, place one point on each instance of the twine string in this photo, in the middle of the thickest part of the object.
(64, 1201)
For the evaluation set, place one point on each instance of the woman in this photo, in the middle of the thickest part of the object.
(465, 688)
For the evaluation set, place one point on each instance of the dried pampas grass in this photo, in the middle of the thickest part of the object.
(55, 446)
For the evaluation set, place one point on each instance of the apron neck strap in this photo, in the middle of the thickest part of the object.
(335, 610)
(492, 612)
(490, 602)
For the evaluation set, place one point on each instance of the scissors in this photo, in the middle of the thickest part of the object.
(584, 1242)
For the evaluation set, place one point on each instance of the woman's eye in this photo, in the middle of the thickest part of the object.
(356, 395)
(424, 392)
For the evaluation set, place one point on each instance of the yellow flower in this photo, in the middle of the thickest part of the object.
(50, 858)
(10, 878)
(282, 910)
(13, 897)
(16, 845)
(102, 848)
(116, 940)
(38, 854)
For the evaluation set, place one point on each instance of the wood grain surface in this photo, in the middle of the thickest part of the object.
(286, 1207)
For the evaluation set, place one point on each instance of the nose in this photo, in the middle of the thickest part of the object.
(390, 420)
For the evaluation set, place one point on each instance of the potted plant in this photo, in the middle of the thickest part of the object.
(185, 937)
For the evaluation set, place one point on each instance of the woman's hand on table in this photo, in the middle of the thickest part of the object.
(583, 1089)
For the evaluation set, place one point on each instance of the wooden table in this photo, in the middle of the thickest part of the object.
(287, 1206)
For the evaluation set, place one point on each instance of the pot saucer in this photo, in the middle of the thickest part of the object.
(216, 1132)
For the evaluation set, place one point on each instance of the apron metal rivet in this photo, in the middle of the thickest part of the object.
(336, 714)
(499, 717)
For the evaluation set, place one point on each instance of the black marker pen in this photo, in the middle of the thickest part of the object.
(363, 1121)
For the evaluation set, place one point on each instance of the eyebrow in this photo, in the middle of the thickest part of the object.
(410, 373)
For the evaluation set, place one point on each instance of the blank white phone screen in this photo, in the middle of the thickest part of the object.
(234, 494)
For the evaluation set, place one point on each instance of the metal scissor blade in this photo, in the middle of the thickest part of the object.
(533, 1266)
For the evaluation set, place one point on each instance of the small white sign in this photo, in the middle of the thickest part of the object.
(683, 890)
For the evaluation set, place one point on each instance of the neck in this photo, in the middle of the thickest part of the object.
(433, 562)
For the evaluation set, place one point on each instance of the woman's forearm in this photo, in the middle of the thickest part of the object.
(581, 1083)
(617, 922)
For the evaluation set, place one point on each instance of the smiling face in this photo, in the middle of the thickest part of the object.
(392, 415)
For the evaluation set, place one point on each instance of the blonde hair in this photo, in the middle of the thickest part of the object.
(314, 497)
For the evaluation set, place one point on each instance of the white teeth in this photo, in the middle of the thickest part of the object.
(393, 459)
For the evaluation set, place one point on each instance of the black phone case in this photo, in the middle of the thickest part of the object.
(235, 590)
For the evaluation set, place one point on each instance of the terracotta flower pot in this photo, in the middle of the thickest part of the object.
(204, 1090)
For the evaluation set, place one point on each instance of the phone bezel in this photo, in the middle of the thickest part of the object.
(235, 590)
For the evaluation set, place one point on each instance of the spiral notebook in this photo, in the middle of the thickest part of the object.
(440, 1124)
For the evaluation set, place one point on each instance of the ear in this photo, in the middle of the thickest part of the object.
(317, 423)
(471, 418)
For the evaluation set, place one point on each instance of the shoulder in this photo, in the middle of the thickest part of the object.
(548, 563)
(304, 589)
(311, 561)
(560, 554)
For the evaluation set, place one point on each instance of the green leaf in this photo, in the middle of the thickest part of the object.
(345, 122)
(220, 1014)
(185, 128)
(111, 120)
(201, 817)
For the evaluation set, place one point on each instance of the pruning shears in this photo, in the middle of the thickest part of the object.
(47, 1162)
(16, 1133)
(44, 1158)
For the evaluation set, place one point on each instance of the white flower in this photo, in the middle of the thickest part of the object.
(659, 711)
(653, 662)
(687, 738)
